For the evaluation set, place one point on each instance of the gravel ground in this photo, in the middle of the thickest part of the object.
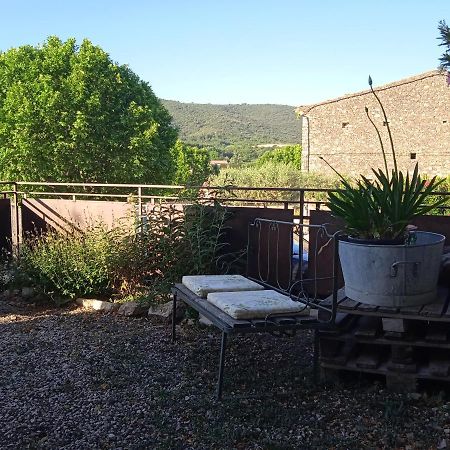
(78, 380)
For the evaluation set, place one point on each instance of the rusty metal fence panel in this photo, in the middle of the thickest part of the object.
(39, 199)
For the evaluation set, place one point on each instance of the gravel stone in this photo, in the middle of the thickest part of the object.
(74, 379)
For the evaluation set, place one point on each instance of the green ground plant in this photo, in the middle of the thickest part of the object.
(64, 265)
(182, 240)
(175, 240)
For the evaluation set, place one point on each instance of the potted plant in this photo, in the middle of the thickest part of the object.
(383, 262)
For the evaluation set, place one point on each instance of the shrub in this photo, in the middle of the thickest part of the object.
(192, 164)
(444, 208)
(274, 174)
(290, 155)
(67, 265)
(182, 240)
(173, 242)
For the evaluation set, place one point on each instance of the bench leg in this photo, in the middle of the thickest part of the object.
(223, 346)
(174, 317)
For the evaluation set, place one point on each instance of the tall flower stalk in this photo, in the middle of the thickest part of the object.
(386, 121)
(384, 207)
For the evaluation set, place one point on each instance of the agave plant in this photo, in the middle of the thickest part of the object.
(382, 208)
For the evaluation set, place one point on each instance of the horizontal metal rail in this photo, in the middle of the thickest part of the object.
(299, 198)
(167, 186)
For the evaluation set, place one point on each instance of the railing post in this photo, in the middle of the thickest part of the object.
(302, 205)
(15, 222)
(139, 209)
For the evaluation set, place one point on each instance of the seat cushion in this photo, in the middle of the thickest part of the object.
(202, 285)
(256, 304)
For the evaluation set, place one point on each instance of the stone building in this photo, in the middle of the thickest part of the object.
(418, 111)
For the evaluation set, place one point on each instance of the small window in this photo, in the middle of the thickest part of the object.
(344, 124)
(412, 156)
(444, 121)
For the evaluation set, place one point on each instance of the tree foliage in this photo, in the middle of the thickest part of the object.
(273, 174)
(444, 31)
(290, 155)
(69, 113)
(193, 164)
(235, 129)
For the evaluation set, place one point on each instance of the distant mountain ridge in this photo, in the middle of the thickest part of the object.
(222, 126)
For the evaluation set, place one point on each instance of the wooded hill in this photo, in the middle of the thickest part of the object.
(222, 126)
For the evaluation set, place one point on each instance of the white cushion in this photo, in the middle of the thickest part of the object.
(256, 304)
(202, 285)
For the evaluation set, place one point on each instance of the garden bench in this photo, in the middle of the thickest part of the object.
(244, 304)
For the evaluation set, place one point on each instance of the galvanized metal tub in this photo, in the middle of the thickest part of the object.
(393, 275)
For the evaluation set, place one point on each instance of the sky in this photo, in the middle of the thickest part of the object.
(291, 52)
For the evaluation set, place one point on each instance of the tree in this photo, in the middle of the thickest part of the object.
(290, 155)
(444, 30)
(69, 113)
(193, 164)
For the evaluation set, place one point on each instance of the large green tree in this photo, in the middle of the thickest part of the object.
(69, 113)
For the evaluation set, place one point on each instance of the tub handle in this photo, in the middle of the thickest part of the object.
(415, 268)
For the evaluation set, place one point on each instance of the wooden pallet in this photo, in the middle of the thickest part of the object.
(405, 345)
(436, 311)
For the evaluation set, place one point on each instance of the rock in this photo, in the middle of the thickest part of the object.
(415, 395)
(132, 309)
(96, 305)
(164, 311)
(204, 321)
(27, 292)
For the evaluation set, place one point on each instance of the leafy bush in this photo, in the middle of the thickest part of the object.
(275, 175)
(66, 265)
(290, 155)
(192, 164)
(444, 200)
(182, 240)
(173, 242)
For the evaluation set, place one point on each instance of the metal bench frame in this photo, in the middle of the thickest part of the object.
(276, 324)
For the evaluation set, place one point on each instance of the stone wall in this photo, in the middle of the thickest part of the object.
(418, 109)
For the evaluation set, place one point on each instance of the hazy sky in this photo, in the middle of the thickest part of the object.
(244, 51)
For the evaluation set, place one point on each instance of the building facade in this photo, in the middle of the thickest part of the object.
(418, 111)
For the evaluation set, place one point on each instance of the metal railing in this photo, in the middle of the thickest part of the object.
(302, 200)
